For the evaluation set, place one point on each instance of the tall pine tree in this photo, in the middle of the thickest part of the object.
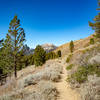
(96, 24)
(17, 35)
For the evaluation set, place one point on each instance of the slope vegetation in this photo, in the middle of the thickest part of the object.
(44, 83)
(79, 44)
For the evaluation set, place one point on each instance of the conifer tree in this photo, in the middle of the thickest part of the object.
(96, 24)
(1, 42)
(39, 56)
(59, 53)
(71, 46)
(1, 68)
(6, 59)
(17, 35)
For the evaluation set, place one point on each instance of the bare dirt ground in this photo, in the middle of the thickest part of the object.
(63, 87)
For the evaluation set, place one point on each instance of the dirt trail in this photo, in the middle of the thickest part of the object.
(65, 92)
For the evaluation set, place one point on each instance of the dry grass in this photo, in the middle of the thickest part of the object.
(51, 72)
(91, 89)
(9, 86)
(79, 44)
(45, 91)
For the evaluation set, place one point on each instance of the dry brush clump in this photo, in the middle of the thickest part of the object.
(85, 75)
(85, 64)
(69, 58)
(45, 91)
(51, 72)
(81, 56)
(42, 87)
(14, 95)
(10, 85)
(91, 89)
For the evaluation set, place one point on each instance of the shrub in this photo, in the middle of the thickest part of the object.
(69, 67)
(90, 90)
(51, 55)
(81, 75)
(59, 53)
(68, 58)
(47, 90)
(91, 41)
(71, 46)
(51, 73)
(39, 56)
(31, 59)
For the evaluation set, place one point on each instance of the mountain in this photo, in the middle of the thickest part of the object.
(27, 50)
(48, 47)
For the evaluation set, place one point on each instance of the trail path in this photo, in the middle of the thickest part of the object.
(65, 92)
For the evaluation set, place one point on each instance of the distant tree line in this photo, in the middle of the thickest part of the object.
(40, 55)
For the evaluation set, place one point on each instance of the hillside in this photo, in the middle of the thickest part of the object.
(30, 82)
(79, 44)
(32, 68)
(74, 76)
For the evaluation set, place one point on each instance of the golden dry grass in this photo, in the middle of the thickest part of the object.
(78, 44)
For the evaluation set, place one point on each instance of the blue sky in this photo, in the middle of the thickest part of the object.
(49, 21)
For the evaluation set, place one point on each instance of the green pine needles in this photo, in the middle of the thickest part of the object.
(39, 56)
(96, 23)
(71, 46)
(17, 38)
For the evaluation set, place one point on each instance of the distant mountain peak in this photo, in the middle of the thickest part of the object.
(48, 47)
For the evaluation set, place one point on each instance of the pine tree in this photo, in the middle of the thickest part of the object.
(71, 46)
(17, 35)
(6, 59)
(51, 55)
(1, 68)
(1, 42)
(96, 24)
(39, 56)
(20, 60)
(59, 53)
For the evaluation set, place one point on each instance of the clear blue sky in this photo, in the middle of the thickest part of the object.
(49, 21)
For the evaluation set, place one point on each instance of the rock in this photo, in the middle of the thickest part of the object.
(48, 47)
